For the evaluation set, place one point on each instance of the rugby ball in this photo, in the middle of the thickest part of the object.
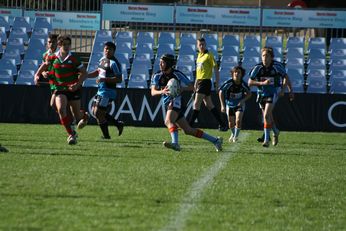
(174, 87)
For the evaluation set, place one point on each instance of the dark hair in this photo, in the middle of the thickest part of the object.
(63, 38)
(53, 36)
(236, 68)
(201, 40)
(269, 50)
(110, 44)
(169, 60)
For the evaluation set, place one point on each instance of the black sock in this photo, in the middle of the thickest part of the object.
(104, 129)
(193, 117)
(112, 120)
(217, 116)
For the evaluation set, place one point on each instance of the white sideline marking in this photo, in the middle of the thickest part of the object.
(191, 198)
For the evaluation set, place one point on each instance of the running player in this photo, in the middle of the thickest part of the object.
(109, 74)
(175, 110)
(233, 94)
(271, 79)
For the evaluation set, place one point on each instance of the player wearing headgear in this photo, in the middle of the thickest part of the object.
(109, 74)
(175, 109)
(271, 79)
(233, 94)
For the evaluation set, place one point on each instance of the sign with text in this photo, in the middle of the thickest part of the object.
(138, 13)
(69, 20)
(10, 12)
(304, 18)
(218, 16)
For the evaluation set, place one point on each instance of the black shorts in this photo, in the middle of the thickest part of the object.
(70, 95)
(231, 111)
(203, 86)
(102, 102)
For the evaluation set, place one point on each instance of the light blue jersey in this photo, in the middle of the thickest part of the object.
(108, 68)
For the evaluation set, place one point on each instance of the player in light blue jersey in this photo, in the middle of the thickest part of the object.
(271, 79)
(108, 75)
(175, 109)
(233, 94)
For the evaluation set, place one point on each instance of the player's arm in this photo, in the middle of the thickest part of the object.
(222, 101)
(93, 74)
(118, 78)
(217, 76)
(247, 96)
(157, 91)
(256, 83)
(41, 69)
(287, 83)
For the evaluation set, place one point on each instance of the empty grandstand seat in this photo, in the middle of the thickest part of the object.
(26, 74)
(124, 47)
(8, 64)
(249, 62)
(188, 71)
(293, 41)
(137, 81)
(319, 53)
(30, 64)
(43, 22)
(165, 48)
(230, 50)
(15, 43)
(123, 58)
(317, 42)
(142, 59)
(156, 65)
(297, 85)
(316, 73)
(337, 53)
(140, 68)
(295, 63)
(337, 43)
(337, 74)
(124, 36)
(19, 32)
(337, 86)
(95, 58)
(145, 48)
(228, 61)
(3, 35)
(295, 52)
(252, 51)
(20, 21)
(273, 41)
(5, 23)
(337, 64)
(295, 73)
(186, 60)
(167, 38)
(225, 73)
(6, 76)
(37, 43)
(316, 85)
(103, 36)
(40, 33)
(25, 81)
(211, 39)
(13, 54)
(188, 38)
(213, 50)
(187, 49)
(278, 55)
(316, 63)
(230, 40)
(252, 41)
(145, 37)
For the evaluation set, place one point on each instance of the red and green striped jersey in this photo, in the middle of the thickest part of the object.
(65, 71)
(51, 72)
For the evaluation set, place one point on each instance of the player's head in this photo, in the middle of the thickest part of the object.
(109, 49)
(52, 42)
(201, 45)
(267, 54)
(237, 73)
(167, 61)
(64, 42)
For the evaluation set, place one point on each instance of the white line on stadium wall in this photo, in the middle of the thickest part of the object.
(191, 198)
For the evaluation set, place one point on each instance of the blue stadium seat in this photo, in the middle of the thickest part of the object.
(90, 82)
(337, 74)
(228, 61)
(295, 52)
(297, 42)
(184, 60)
(6, 76)
(167, 38)
(295, 73)
(137, 81)
(95, 58)
(188, 38)
(317, 42)
(30, 64)
(338, 86)
(145, 37)
(225, 73)
(316, 85)
(20, 21)
(165, 48)
(316, 73)
(337, 53)
(8, 64)
(15, 43)
(5, 23)
(273, 41)
(297, 85)
(249, 62)
(25, 81)
(187, 49)
(43, 22)
(13, 54)
(337, 43)
(230, 51)
(213, 50)
(252, 41)
(124, 36)
(230, 40)
(156, 65)
(337, 64)
(211, 39)
(145, 48)
(19, 32)
(140, 68)
(26, 74)
(188, 70)
(278, 55)
(37, 43)
(123, 58)
(252, 51)
(316, 63)
(92, 67)
(103, 36)
(142, 59)
(124, 47)
(3, 35)
(317, 53)
(295, 63)
(40, 33)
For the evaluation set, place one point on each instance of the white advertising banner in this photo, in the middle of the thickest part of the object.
(218, 16)
(138, 13)
(304, 18)
(69, 20)
(10, 12)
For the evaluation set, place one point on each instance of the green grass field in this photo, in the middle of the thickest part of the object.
(132, 183)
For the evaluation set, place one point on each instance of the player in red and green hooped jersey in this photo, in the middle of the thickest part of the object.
(68, 76)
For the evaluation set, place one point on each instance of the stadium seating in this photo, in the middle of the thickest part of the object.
(230, 50)
(142, 59)
(8, 64)
(316, 73)
(145, 37)
(22, 22)
(337, 64)
(43, 22)
(13, 54)
(297, 85)
(295, 73)
(123, 58)
(337, 53)
(249, 62)
(317, 53)
(211, 39)
(15, 43)
(188, 38)
(316, 63)
(39, 33)
(5, 23)
(164, 48)
(337, 43)
(274, 41)
(295, 52)
(278, 55)
(184, 60)
(297, 42)
(294, 63)
(166, 38)
(124, 36)
(6, 76)
(188, 70)
(338, 86)
(228, 61)
(337, 74)
(137, 80)
(316, 85)
(187, 49)
(230, 40)
(252, 51)
(252, 41)
(30, 64)
(145, 48)
(317, 42)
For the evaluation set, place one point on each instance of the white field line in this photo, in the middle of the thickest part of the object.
(190, 200)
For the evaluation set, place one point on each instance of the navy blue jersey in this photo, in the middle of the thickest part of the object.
(233, 92)
(160, 80)
(274, 73)
(108, 68)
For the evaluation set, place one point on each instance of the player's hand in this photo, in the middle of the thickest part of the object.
(266, 82)
(36, 79)
(165, 91)
(45, 74)
(74, 87)
(222, 109)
